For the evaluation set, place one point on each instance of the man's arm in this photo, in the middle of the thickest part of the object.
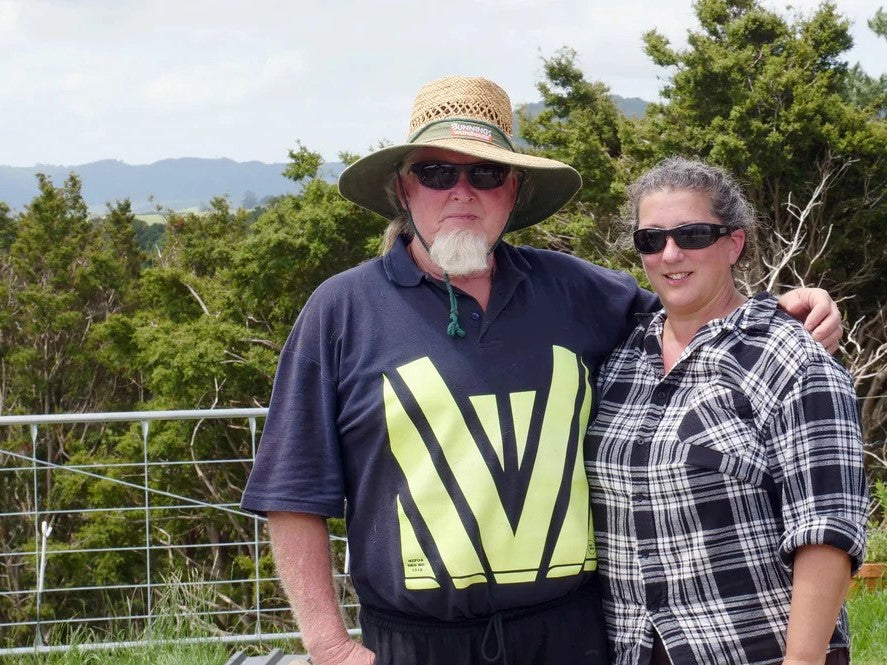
(819, 583)
(819, 313)
(301, 547)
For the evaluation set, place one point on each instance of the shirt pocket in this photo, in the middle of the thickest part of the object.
(717, 433)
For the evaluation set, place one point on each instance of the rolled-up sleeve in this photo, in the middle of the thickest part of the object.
(817, 451)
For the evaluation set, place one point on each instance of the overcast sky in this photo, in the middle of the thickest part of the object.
(140, 81)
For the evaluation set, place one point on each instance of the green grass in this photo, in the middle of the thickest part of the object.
(868, 626)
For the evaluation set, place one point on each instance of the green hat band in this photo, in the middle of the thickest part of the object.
(459, 128)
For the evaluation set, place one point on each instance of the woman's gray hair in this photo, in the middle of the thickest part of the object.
(728, 204)
(399, 226)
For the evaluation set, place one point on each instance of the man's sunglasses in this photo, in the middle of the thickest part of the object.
(443, 175)
(695, 235)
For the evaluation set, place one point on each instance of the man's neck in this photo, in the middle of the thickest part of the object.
(477, 285)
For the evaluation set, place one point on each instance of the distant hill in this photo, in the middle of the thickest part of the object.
(633, 107)
(172, 183)
(185, 183)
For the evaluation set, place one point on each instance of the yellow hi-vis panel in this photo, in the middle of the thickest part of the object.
(521, 410)
(427, 490)
(514, 555)
(488, 412)
(417, 571)
(577, 529)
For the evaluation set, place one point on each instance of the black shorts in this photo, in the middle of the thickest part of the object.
(568, 630)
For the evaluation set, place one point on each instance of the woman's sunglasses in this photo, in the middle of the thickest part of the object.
(695, 235)
(443, 175)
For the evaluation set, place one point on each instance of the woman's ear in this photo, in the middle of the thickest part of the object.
(737, 243)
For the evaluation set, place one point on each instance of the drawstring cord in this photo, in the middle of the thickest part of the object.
(454, 329)
(498, 631)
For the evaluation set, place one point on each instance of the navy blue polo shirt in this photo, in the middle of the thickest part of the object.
(459, 460)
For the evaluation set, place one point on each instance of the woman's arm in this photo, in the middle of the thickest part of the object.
(819, 584)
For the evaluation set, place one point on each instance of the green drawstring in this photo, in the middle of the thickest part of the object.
(454, 329)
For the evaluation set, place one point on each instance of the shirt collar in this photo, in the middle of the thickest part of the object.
(399, 265)
(754, 314)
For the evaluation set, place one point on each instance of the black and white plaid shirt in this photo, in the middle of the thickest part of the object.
(706, 480)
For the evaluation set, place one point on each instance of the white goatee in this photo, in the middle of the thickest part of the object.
(460, 253)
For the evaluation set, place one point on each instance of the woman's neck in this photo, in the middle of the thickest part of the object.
(680, 327)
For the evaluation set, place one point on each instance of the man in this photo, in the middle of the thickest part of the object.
(442, 393)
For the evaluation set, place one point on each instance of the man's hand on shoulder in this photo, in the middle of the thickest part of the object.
(818, 312)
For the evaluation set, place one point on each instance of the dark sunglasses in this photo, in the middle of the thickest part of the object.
(695, 235)
(443, 175)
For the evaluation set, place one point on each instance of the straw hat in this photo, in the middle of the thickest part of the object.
(471, 116)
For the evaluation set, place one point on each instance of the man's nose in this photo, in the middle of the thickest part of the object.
(463, 188)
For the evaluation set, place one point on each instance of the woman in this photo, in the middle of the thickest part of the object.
(725, 462)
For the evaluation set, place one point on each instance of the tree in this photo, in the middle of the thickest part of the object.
(7, 228)
(62, 276)
(250, 200)
(764, 96)
(205, 328)
(579, 125)
(298, 242)
(58, 291)
(866, 90)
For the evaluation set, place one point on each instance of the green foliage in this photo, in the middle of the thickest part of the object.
(92, 323)
(62, 275)
(348, 158)
(303, 164)
(876, 550)
(180, 615)
(879, 498)
(878, 23)
(7, 228)
(877, 545)
(581, 126)
(319, 232)
(862, 89)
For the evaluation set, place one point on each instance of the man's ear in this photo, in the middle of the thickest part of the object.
(402, 194)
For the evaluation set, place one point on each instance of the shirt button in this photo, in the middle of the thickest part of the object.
(475, 316)
(660, 394)
(640, 496)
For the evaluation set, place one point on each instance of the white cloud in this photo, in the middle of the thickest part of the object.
(10, 11)
(142, 81)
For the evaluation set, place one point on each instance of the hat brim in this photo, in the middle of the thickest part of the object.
(553, 183)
